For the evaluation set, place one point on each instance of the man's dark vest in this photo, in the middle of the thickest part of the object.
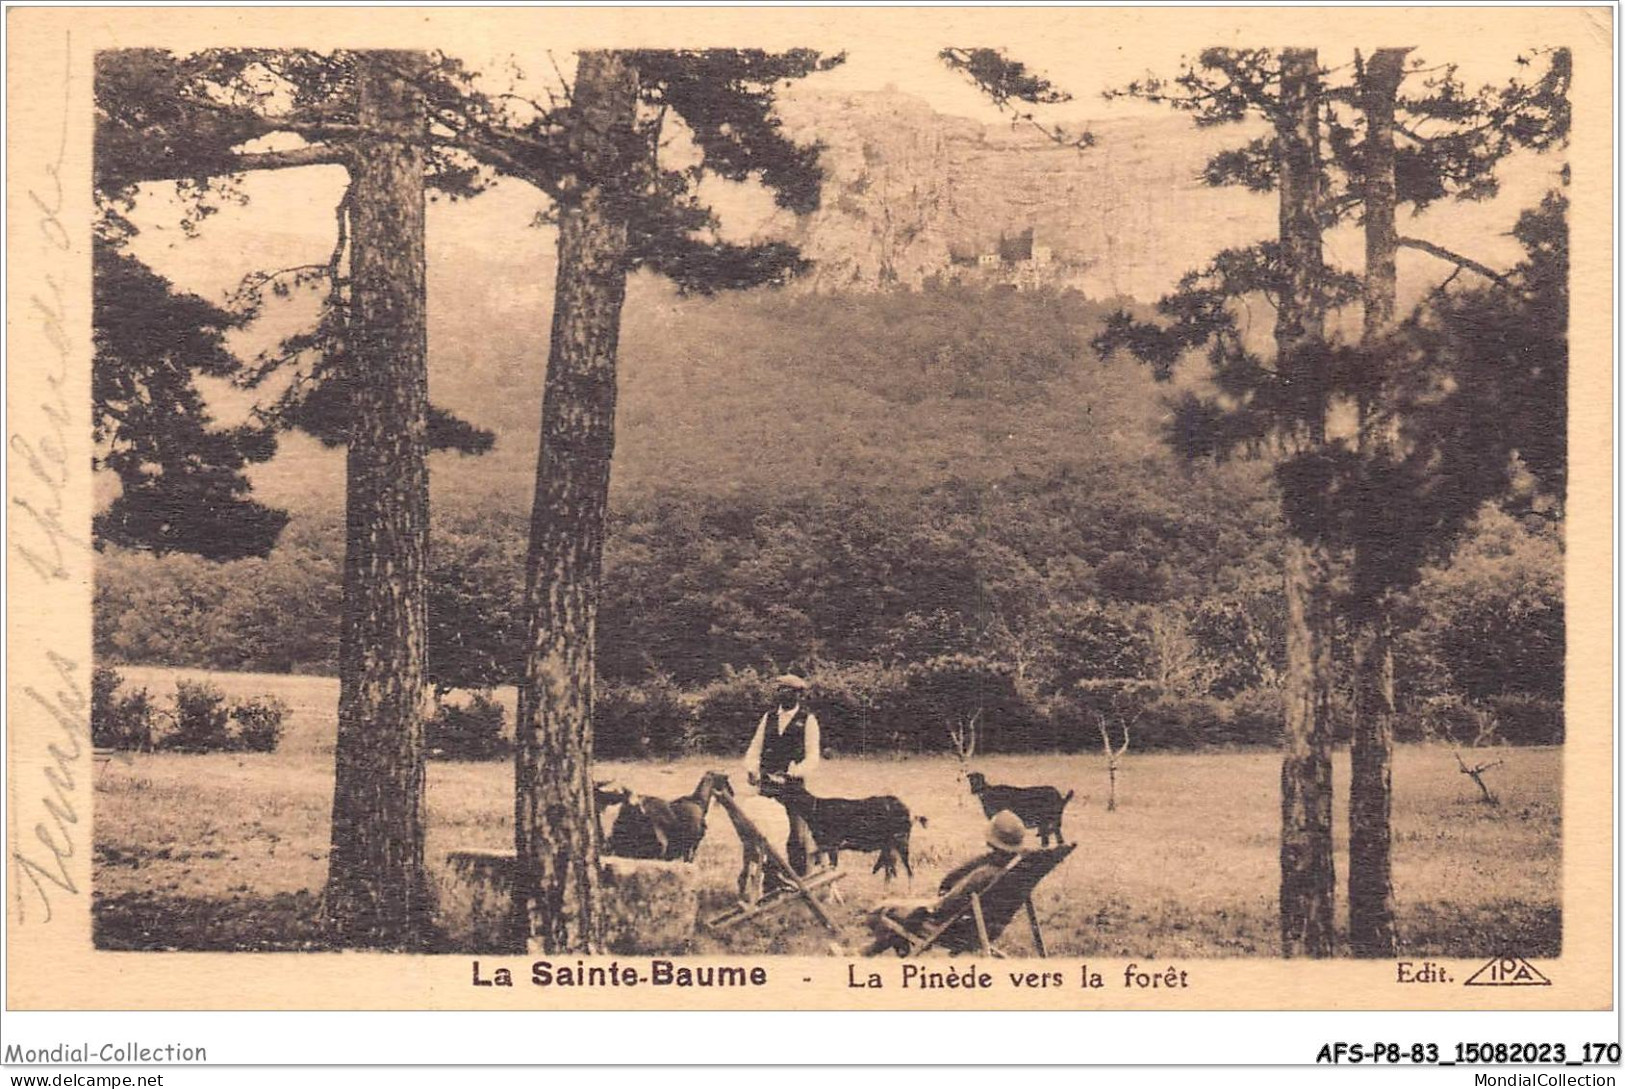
(779, 751)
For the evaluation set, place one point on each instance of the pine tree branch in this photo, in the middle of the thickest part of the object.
(1006, 82)
(488, 149)
(1407, 131)
(1455, 258)
(310, 155)
(494, 144)
(1456, 134)
(313, 124)
(255, 282)
(318, 130)
(1444, 287)
(162, 168)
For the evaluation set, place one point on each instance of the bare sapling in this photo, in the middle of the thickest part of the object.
(1113, 756)
(963, 738)
(1485, 727)
(1122, 698)
(1476, 773)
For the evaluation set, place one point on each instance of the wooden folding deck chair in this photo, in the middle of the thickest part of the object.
(970, 920)
(791, 887)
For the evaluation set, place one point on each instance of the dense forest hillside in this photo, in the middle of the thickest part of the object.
(784, 390)
(870, 487)
(896, 464)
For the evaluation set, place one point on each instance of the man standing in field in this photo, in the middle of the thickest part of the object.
(783, 753)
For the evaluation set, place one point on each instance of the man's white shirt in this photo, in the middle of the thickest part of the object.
(802, 768)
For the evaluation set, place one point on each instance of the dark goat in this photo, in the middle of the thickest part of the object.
(667, 830)
(1038, 807)
(881, 823)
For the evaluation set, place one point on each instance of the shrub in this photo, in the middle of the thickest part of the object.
(469, 732)
(947, 691)
(1495, 614)
(858, 706)
(1257, 717)
(614, 721)
(259, 724)
(136, 722)
(727, 710)
(200, 718)
(119, 722)
(636, 720)
(1173, 723)
(1074, 728)
(104, 685)
(1409, 725)
(1454, 719)
(1522, 719)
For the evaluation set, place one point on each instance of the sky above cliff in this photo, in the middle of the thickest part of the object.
(1082, 50)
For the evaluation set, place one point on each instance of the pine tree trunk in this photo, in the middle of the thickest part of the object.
(1308, 875)
(1371, 752)
(1371, 745)
(555, 837)
(1379, 90)
(376, 883)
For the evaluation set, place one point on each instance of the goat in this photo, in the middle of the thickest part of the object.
(667, 830)
(880, 823)
(690, 812)
(1038, 807)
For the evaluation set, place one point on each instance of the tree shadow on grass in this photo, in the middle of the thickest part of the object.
(238, 923)
(1489, 929)
(291, 922)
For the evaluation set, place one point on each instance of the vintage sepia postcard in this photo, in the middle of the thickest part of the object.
(1088, 508)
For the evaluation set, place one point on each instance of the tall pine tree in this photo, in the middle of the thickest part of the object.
(1379, 506)
(1444, 142)
(621, 210)
(187, 119)
(1281, 405)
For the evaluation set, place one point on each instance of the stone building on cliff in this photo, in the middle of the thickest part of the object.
(1024, 260)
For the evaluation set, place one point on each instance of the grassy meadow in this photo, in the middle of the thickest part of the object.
(228, 851)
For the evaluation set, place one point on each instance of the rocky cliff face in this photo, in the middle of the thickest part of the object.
(909, 189)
